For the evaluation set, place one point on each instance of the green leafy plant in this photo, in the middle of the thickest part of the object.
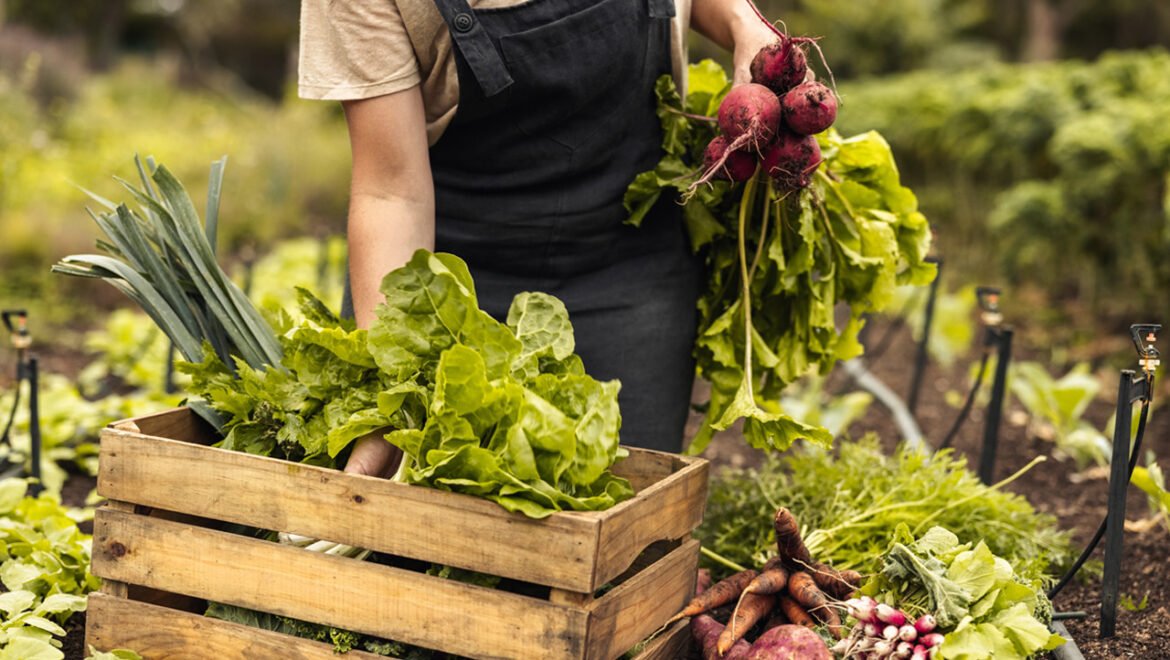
(1048, 173)
(1057, 407)
(1128, 603)
(983, 608)
(849, 505)
(502, 411)
(44, 567)
(844, 243)
(1153, 483)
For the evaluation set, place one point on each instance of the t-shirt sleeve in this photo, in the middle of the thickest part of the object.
(354, 49)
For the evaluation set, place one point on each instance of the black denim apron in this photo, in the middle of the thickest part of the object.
(556, 115)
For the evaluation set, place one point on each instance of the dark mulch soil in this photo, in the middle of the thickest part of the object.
(1076, 499)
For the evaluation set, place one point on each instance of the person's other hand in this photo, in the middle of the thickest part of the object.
(374, 457)
(748, 41)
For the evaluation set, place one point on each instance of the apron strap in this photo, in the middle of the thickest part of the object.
(661, 8)
(473, 42)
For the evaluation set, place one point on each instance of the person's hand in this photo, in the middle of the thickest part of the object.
(748, 41)
(374, 457)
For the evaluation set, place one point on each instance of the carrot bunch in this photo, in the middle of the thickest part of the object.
(790, 588)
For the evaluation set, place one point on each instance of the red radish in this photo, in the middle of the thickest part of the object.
(890, 615)
(737, 166)
(925, 623)
(907, 633)
(809, 108)
(792, 159)
(749, 110)
(932, 639)
(781, 65)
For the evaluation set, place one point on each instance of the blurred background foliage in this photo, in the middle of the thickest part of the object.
(1036, 132)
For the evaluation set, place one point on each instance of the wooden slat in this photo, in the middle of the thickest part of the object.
(643, 468)
(639, 606)
(176, 424)
(669, 509)
(360, 596)
(159, 633)
(398, 519)
(672, 644)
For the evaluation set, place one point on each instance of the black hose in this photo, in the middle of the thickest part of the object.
(1135, 452)
(968, 404)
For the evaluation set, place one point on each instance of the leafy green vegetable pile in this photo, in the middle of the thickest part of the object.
(504, 411)
(780, 264)
(44, 566)
(983, 608)
(849, 506)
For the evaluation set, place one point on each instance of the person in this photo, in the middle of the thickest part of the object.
(506, 133)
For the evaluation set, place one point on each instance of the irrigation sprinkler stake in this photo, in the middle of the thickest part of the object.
(16, 321)
(1132, 387)
(927, 324)
(34, 427)
(999, 336)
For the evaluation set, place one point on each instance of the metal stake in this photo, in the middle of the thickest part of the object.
(1003, 337)
(927, 324)
(1131, 387)
(34, 427)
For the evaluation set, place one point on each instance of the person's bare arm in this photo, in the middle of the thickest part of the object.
(391, 214)
(733, 25)
(392, 198)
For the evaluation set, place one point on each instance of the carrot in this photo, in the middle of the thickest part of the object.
(795, 613)
(838, 584)
(805, 591)
(788, 540)
(720, 593)
(772, 579)
(751, 609)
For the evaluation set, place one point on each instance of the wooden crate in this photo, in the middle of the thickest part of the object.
(161, 547)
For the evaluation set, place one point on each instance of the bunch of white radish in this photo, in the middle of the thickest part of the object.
(885, 632)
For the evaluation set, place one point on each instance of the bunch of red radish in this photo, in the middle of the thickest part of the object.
(883, 631)
(770, 122)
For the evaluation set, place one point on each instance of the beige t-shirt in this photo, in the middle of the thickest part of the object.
(356, 49)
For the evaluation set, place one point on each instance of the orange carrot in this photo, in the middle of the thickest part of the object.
(838, 584)
(751, 609)
(772, 578)
(788, 540)
(720, 593)
(804, 590)
(795, 613)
